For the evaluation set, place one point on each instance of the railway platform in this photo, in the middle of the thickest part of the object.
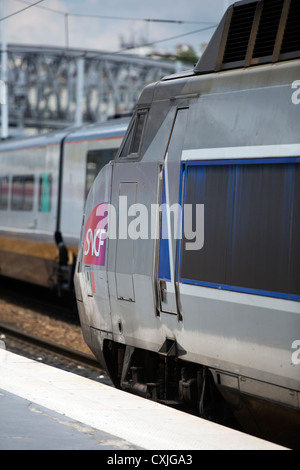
(44, 408)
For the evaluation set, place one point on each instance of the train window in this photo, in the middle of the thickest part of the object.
(132, 145)
(96, 160)
(138, 132)
(4, 190)
(45, 192)
(22, 193)
(251, 232)
(126, 144)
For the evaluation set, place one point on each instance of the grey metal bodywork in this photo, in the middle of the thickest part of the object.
(233, 114)
(29, 238)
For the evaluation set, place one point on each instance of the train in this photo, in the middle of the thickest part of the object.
(187, 278)
(44, 181)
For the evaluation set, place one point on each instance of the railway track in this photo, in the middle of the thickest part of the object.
(36, 324)
(51, 353)
(42, 343)
(38, 298)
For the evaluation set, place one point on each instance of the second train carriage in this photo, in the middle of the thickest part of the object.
(44, 181)
(214, 307)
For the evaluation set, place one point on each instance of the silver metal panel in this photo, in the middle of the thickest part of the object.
(27, 236)
(92, 287)
(172, 184)
(125, 244)
(76, 148)
(32, 160)
(144, 177)
(241, 333)
(269, 391)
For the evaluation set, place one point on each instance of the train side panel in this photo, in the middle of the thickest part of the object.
(44, 182)
(86, 152)
(29, 211)
(210, 307)
(132, 262)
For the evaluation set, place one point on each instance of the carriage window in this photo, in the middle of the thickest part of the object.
(22, 193)
(251, 227)
(126, 145)
(134, 138)
(96, 160)
(45, 192)
(4, 192)
(138, 132)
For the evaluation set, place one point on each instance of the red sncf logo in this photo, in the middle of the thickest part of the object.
(95, 236)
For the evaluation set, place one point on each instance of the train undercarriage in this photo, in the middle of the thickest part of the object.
(193, 388)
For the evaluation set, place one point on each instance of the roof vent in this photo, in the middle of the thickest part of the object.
(254, 32)
(239, 33)
(268, 28)
(291, 38)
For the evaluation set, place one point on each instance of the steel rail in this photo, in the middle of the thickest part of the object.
(44, 343)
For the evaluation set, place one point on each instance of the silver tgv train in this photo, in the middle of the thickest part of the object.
(202, 306)
(44, 181)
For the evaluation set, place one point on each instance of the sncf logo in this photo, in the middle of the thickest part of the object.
(95, 236)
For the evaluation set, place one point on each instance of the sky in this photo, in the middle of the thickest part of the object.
(102, 25)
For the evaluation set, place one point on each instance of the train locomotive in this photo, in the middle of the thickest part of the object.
(188, 271)
(44, 181)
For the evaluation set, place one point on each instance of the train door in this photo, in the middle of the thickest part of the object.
(170, 232)
(47, 179)
(125, 244)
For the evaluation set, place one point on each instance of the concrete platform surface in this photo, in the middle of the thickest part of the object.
(44, 406)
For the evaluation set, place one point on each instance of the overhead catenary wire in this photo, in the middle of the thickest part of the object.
(121, 18)
(95, 55)
(166, 39)
(127, 48)
(67, 15)
(20, 11)
(149, 20)
(210, 25)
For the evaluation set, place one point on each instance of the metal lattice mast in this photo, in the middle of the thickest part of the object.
(46, 85)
